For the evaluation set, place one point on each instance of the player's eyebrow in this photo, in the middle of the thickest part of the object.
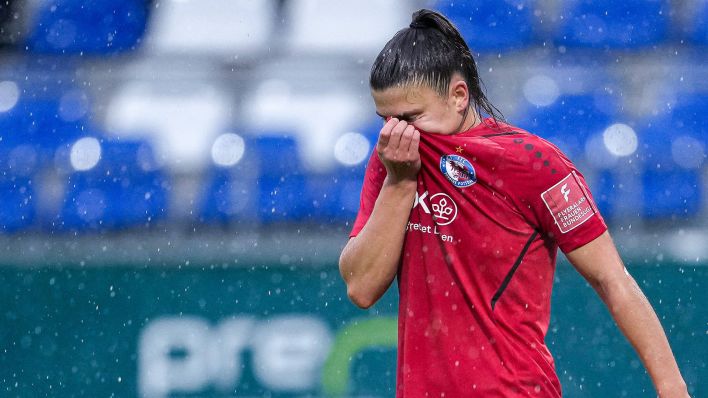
(402, 116)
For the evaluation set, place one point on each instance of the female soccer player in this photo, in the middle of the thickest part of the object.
(468, 213)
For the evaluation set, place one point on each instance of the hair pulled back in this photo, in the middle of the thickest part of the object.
(429, 52)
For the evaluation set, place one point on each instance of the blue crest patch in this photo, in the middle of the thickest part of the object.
(458, 170)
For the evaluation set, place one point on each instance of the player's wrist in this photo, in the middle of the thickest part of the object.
(673, 389)
(403, 185)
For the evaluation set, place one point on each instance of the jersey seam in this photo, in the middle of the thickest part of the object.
(512, 271)
(501, 134)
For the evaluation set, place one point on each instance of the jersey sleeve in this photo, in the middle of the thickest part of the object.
(373, 181)
(554, 196)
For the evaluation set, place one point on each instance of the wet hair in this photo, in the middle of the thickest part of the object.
(428, 53)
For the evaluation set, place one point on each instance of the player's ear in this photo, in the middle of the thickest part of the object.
(460, 95)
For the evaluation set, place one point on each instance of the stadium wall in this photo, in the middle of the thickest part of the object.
(280, 330)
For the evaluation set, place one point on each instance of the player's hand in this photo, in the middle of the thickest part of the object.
(398, 150)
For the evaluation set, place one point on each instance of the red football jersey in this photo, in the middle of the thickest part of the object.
(491, 209)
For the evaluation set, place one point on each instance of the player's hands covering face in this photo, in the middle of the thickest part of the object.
(398, 150)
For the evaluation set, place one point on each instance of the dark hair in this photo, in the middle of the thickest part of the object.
(429, 52)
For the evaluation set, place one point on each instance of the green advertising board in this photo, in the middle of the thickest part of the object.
(122, 331)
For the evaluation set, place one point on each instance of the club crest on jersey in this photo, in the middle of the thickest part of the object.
(458, 170)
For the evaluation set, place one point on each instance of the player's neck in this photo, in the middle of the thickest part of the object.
(470, 120)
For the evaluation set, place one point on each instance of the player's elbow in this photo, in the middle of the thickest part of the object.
(360, 297)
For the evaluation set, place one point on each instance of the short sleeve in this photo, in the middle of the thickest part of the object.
(555, 197)
(373, 181)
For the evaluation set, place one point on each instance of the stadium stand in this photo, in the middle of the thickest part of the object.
(316, 25)
(17, 196)
(613, 24)
(569, 122)
(96, 27)
(229, 27)
(181, 107)
(115, 185)
(696, 30)
(492, 25)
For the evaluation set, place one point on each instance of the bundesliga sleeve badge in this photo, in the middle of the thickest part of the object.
(568, 203)
(458, 170)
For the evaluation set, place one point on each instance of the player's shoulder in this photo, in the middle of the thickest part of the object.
(516, 140)
(529, 157)
(521, 145)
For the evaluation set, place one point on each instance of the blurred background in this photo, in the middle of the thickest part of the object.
(179, 176)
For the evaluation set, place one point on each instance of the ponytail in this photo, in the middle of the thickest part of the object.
(428, 53)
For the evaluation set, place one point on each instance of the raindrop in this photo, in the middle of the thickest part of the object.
(9, 95)
(541, 90)
(228, 149)
(73, 105)
(620, 139)
(688, 152)
(351, 149)
(85, 154)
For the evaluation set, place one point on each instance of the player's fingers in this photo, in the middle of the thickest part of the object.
(415, 142)
(406, 138)
(396, 132)
(385, 134)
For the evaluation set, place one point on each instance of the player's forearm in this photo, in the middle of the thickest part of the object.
(369, 262)
(639, 323)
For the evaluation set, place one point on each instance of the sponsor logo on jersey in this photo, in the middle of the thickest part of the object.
(458, 170)
(443, 211)
(569, 203)
(440, 206)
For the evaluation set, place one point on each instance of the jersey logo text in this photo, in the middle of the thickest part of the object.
(568, 203)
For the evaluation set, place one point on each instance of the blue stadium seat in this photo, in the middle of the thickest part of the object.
(229, 196)
(568, 122)
(690, 115)
(679, 139)
(282, 199)
(266, 186)
(697, 28)
(275, 154)
(334, 197)
(672, 159)
(613, 24)
(489, 25)
(671, 194)
(17, 197)
(37, 122)
(605, 193)
(81, 27)
(125, 189)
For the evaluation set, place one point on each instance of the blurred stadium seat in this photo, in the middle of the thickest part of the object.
(123, 189)
(228, 197)
(613, 24)
(41, 123)
(321, 26)
(265, 185)
(95, 27)
(489, 25)
(334, 197)
(17, 197)
(281, 180)
(696, 30)
(690, 115)
(672, 160)
(671, 194)
(568, 122)
(228, 27)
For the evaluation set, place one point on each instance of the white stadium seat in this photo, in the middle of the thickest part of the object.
(226, 27)
(359, 26)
